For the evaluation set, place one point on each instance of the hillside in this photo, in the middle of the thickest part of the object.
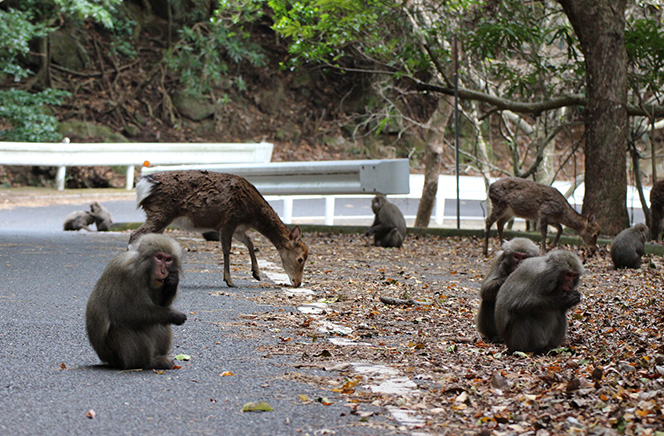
(309, 114)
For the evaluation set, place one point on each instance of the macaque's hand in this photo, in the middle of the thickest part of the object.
(178, 318)
(172, 280)
(572, 298)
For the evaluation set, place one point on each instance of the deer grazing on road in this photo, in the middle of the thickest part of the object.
(229, 204)
(511, 196)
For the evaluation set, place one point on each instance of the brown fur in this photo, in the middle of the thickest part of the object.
(656, 210)
(511, 196)
(229, 204)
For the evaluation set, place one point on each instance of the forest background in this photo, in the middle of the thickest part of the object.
(547, 89)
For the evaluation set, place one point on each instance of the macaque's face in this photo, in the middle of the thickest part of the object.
(163, 262)
(517, 258)
(569, 280)
(377, 203)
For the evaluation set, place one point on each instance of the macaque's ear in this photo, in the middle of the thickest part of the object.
(295, 234)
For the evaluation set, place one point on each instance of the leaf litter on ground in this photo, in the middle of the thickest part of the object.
(607, 379)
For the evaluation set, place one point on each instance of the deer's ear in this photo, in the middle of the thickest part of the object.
(591, 218)
(295, 234)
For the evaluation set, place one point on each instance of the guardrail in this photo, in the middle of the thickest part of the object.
(326, 178)
(64, 155)
(356, 209)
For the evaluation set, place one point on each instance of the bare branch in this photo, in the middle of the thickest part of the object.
(536, 108)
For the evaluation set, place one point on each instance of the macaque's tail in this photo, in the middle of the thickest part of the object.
(144, 189)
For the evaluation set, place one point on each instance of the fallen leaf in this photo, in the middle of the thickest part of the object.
(324, 401)
(182, 357)
(261, 406)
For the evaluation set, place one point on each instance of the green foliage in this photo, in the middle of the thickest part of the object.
(369, 31)
(206, 52)
(33, 19)
(16, 32)
(23, 116)
(100, 11)
(122, 33)
(530, 48)
(644, 41)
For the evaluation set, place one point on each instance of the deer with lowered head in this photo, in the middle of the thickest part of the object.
(512, 196)
(229, 204)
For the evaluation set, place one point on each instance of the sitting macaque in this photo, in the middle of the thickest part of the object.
(505, 262)
(628, 246)
(77, 220)
(129, 312)
(102, 217)
(532, 304)
(389, 226)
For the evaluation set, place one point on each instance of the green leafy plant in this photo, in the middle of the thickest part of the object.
(17, 29)
(23, 115)
(207, 51)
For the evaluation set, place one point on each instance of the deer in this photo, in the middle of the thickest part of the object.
(656, 210)
(512, 196)
(229, 204)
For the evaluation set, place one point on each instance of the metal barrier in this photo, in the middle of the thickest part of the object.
(64, 155)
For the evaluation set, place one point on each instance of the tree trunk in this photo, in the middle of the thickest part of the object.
(600, 27)
(432, 159)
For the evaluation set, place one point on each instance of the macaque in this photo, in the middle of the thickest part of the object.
(102, 217)
(657, 210)
(389, 226)
(129, 312)
(628, 246)
(505, 262)
(532, 304)
(77, 220)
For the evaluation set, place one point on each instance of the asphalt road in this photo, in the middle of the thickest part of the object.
(50, 377)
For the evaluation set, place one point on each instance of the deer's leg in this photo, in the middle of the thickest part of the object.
(496, 211)
(226, 238)
(560, 231)
(487, 229)
(501, 225)
(246, 240)
(151, 225)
